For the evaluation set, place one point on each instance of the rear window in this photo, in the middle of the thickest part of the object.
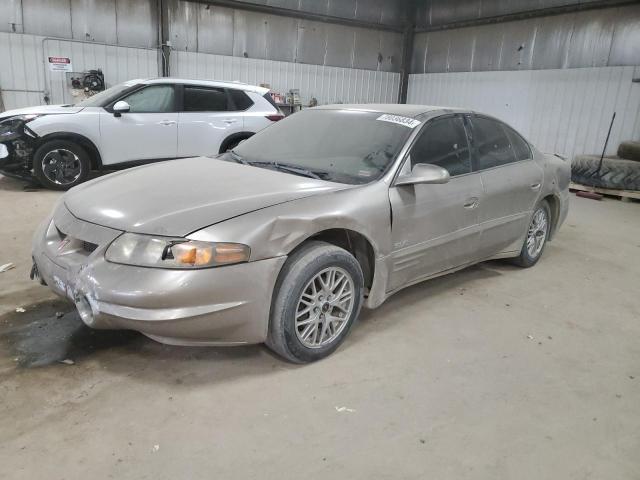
(267, 96)
(204, 99)
(520, 146)
(240, 100)
(493, 147)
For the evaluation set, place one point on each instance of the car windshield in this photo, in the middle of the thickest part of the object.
(107, 96)
(346, 146)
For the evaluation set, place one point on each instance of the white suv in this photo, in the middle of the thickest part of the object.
(136, 122)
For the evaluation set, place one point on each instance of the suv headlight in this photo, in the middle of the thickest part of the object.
(12, 126)
(163, 252)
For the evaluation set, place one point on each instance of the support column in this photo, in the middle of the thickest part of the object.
(407, 50)
(165, 48)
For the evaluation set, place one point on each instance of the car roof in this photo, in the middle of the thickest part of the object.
(207, 83)
(392, 108)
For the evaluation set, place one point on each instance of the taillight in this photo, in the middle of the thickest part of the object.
(274, 118)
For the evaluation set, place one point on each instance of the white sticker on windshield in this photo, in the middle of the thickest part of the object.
(400, 120)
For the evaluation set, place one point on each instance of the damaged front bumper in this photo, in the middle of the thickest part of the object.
(17, 146)
(213, 306)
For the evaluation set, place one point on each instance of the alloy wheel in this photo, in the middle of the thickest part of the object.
(61, 166)
(324, 307)
(537, 234)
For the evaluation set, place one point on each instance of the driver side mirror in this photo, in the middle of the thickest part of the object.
(120, 107)
(424, 173)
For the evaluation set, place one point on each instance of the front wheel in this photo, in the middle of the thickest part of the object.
(537, 235)
(316, 301)
(61, 164)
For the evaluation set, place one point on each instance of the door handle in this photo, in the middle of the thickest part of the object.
(230, 120)
(167, 122)
(471, 203)
(535, 186)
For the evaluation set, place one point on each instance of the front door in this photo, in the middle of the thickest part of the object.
(435, 226)
(512, 181)
(149, 131)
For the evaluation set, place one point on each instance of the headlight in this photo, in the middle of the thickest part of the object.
(163, 252)
(13, 125)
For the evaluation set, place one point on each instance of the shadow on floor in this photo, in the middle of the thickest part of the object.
(11, 184)
(52, 332)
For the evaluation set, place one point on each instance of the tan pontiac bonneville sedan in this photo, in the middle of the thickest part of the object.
(283, 239)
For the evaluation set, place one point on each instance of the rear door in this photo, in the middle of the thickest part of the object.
(149, 131)
(512, 181)
(435, 227)
(208, 116)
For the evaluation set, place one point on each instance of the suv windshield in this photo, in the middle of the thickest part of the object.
(345, 146)
(107, 96)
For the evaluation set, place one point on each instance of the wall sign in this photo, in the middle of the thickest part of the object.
(60, 64)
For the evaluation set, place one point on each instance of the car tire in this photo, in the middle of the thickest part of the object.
(61, 164)
(629, 151)
(305, 327)
(529, 255)
(616, 173)
(232, 143)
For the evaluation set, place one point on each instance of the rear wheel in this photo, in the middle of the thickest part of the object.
(231, 143)
(61, 164)
(316, 301)
(537, 235)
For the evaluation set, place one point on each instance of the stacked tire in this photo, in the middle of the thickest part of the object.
(621, 172)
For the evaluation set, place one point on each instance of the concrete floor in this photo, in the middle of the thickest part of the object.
(490, 373)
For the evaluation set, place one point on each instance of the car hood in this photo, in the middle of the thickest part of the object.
(178, 197)
(41, 110)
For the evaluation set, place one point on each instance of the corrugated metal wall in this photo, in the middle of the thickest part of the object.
(22, 74)
(118, 64)
(216, 34)
(563, 111)
(606, 37)
(123, 22)
(195, 27)
(326, 84)
(26, 78)
(384, 12)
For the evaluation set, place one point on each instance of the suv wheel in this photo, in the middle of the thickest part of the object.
(61, 164)
(316, 301)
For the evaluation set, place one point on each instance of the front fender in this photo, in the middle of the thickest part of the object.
(86, 124)
(276, 231)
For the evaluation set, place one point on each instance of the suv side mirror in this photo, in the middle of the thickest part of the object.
(424, 173)
(120, 107)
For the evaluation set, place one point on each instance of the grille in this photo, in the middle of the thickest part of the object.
(88, 246)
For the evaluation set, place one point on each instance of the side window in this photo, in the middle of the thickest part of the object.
(444, 143)
(520, 146)
(240, 99)
(204, 99)
(153, 99)
(493, 147)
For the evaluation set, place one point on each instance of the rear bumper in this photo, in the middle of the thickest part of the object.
(215, 306)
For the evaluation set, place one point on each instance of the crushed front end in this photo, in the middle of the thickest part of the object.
(17, 146)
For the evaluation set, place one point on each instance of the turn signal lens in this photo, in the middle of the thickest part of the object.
(230, 253)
